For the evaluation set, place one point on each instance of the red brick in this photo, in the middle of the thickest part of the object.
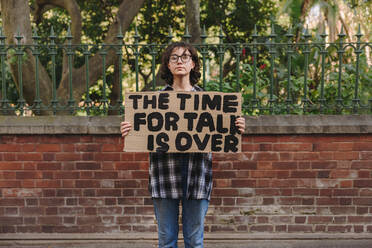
(341, 174)
(268, 201)
(106, 175)
(306, 156)
(48, 148)
(87, 184)
(28, 175)
(293, 147)
(250, 147)
(48, 184)
(362, 210)
(362, 146)
(284, 165)
(9, 175)
(314, 192)
(225, 192)
(264, 165)
(11, 220)
(265, 147)
(346, 155)
(360, 219)
(363, 201)
(68, 147)
(300, 219)
(303, 174)
(67, 156)
(109, 192)
(88, 220)
(111, 156)
(326, 146)
(87, 166)
(325, 155)
(345, 192)
(29, 157)
(265, 156)
(285, 192)
(342, 210)
(356, 165)
(364, 174)
(299, 228)
(216, 174)
(284, 183)
(267, 192)
(111, 148)
(263, 174)
(339, 219)
(323, 164)
(127, 166)
(141, 156)
(10, 166)
(363, 183)
(52, 202)
(319, 219)
(245, 165)
(48, 166)
(304, 165)
(366, 155)
(365, 192)
(10, 184)
(11, 202)
(66, 175)
(237, 183)
(10, 157)
(262, 228)
(265, 138)
(286, 156)
(147, 210)
(222, 183)
(289, 201)
(358, 229)
(323, 174)
(346, 184)
(328, 201)
(89, 147)
(9, 147)
(339, 229)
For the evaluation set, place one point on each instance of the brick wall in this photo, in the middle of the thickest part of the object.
(284, 181)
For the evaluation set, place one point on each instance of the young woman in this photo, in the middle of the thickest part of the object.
(180, 177)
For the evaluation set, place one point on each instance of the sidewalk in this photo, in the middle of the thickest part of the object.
(215, 240)
(208, 244)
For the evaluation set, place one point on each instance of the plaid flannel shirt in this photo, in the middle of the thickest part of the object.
(165, 179)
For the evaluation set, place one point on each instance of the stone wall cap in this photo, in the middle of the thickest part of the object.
(265, 124)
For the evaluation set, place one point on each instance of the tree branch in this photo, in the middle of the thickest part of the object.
(128, 9)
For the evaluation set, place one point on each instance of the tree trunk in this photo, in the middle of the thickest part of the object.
(193, 20)
(16, 18)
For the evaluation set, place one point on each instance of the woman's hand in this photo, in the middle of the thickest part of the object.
(125, 127)
(240, 124)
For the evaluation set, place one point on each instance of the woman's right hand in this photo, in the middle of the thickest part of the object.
(125, 127)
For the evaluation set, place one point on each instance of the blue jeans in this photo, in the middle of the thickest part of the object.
(193, 214)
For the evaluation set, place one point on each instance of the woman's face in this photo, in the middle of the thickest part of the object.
(180, 62)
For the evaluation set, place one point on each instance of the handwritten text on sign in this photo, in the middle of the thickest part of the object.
(183, 121)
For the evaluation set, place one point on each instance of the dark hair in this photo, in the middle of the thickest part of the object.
(166, 73)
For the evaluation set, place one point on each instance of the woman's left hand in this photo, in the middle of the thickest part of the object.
(240, 124)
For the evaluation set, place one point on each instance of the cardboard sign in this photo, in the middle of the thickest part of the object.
(174, 121)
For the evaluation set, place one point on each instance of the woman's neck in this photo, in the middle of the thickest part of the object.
(181, 84)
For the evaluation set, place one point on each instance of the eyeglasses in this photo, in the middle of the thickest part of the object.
(184, 58)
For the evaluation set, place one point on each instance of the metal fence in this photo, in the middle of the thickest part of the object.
(274, 73)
